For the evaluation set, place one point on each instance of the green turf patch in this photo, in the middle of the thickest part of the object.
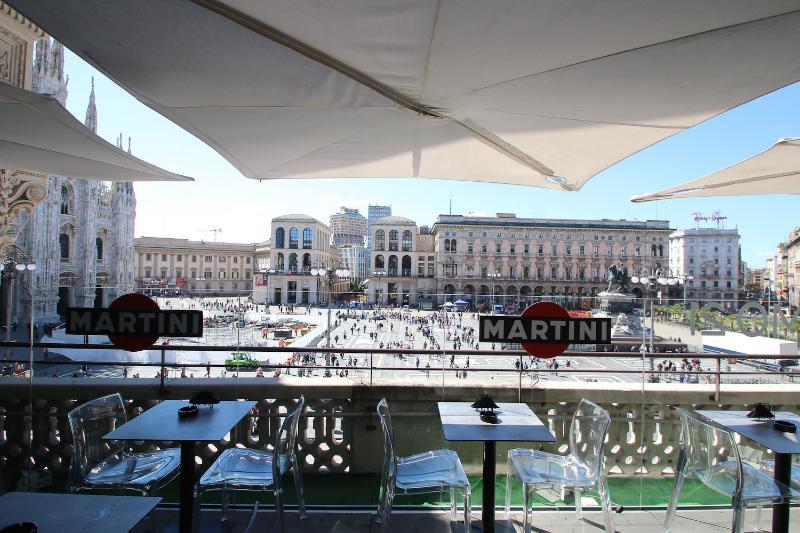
(362, 490)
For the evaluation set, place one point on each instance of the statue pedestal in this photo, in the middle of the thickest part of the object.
(619, 307)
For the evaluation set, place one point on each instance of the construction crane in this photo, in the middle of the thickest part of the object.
(215, 231)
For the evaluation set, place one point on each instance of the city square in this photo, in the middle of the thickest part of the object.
(401, 265)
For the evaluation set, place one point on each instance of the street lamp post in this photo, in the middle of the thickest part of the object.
(652, 283)
(494, 276)
(331, 276)
(11, 268)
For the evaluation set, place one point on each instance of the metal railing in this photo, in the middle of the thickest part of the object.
(526, 368)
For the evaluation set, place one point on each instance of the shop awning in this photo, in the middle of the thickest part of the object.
(39, 135)
(512, 91)
(773, 171)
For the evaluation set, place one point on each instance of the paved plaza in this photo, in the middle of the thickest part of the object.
(369, 331)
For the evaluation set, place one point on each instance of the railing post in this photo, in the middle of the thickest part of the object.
(719, 378)
(519, 387)
(163, 360)
(370, 369)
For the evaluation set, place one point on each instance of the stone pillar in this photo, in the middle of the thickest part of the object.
(19, 191)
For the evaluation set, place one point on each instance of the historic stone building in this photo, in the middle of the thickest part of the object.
(512, 261)
(300, 243)
(81, 235)
(708, 259)
(78, 233)
(402, 262)
(169, 265)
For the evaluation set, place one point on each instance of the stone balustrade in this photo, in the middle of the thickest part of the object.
(341, 433)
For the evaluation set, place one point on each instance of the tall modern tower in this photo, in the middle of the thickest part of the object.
(348, 226)
(374, 213)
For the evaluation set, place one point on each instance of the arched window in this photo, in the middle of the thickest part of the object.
(392, 265)
(280, 235)
(380, 240)
(306, 263)
(379, 263)
(99, 245)
(406, 265)
(407, 241)
(293, 263)
(393, 238)
(539, 272)
(294, 237)
(63, 243)
(447, 245)
(279, 263)
(453, 245)
(307, 239)
(66, 200)
(660, 250)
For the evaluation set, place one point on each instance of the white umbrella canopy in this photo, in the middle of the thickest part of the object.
(773, 171)
(38, 134)
(510, 91)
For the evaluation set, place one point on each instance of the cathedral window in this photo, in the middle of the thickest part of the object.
(63, 243)
(66, 201)
(99, 245)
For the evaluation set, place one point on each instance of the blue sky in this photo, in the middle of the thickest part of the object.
(221, 197)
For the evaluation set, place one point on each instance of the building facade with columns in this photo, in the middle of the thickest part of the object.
(197, 268)
(515, 261)
(401, 259)
(299, 243)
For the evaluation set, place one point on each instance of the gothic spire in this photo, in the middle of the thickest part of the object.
(91, 111)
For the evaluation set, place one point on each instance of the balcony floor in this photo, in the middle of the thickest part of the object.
(544, 521)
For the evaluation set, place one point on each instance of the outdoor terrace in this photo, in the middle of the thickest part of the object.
(341, 444)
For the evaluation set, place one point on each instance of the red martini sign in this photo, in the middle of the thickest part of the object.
(545, 329)
(134, 322)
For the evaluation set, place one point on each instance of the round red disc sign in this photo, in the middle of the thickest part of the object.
(133, 302)
(545, 350)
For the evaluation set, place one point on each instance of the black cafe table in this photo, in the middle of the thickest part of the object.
(517, 423)
(74, 513)
(762, 433)
(161, 423)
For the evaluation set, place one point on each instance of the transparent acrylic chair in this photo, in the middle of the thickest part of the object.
(428, 472)
(709, 452)
(580, 470)
(257, 470)
(109, 464)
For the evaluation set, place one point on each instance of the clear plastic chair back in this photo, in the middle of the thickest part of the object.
(706, 446)
(587, 436)
(389, 457)
(88, 423)
(287, 438)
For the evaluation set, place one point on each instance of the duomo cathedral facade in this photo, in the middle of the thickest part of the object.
(81, 235)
